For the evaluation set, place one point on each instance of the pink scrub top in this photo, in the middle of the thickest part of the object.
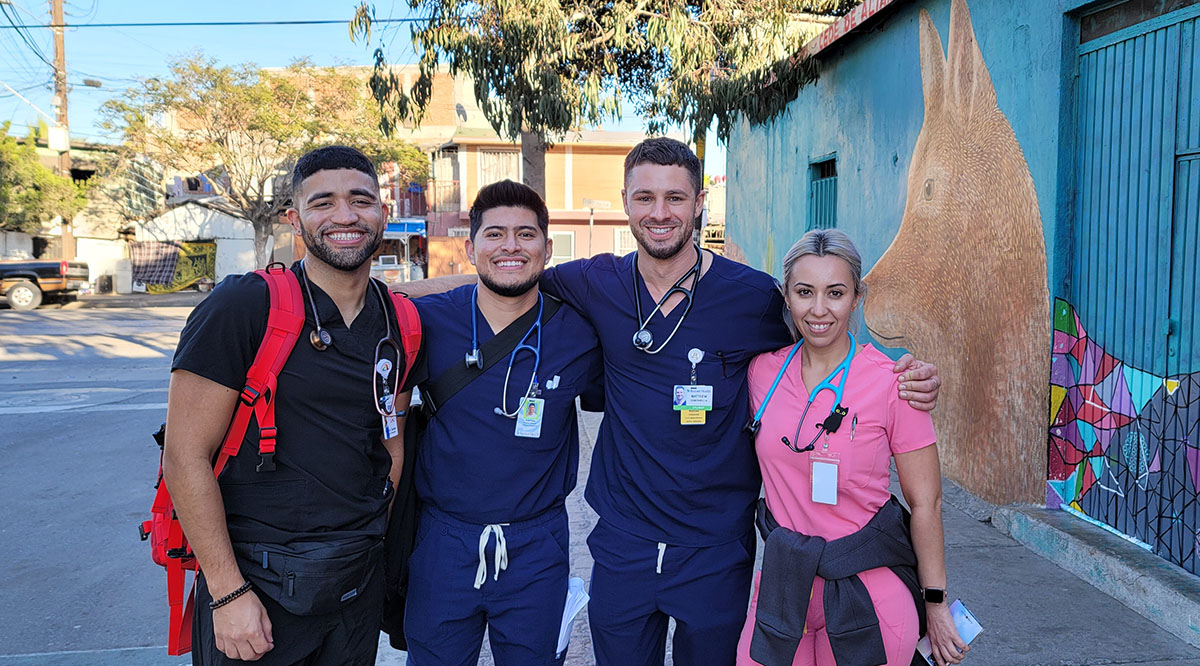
(886, 425)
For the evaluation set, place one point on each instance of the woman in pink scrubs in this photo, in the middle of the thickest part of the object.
(829, 483)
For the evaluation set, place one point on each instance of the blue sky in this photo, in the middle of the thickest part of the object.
(118, 56)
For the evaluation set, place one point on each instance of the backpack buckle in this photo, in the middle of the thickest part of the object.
(266, 462)
(249, 396)
(266, 449)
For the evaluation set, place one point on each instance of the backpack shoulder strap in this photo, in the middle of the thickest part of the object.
(409, 321)
(285, 320)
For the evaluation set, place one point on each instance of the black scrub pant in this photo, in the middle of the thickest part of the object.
(347, 637)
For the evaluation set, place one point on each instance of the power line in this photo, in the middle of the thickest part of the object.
(23, 33)
(194, 24)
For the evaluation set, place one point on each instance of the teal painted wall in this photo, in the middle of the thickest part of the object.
(867, 108)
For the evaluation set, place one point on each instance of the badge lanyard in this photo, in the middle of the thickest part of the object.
(831, 422)
(643, 339)
(528, 412)
(693, 401)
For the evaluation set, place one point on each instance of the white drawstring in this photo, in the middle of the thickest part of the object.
(501, 554)
(662, 549)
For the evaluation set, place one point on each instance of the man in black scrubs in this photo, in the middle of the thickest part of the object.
(293, 556)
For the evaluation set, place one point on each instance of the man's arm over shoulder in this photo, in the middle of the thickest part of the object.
(433, 285)
(571, 281)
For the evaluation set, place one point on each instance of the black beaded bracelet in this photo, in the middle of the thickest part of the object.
(217, 603)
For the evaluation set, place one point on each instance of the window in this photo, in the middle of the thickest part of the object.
(623, 241)
(498, 165)
(822, 194)
(564, 246)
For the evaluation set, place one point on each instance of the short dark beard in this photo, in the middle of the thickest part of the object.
(343, 260)
(658, 252)
(510, 290)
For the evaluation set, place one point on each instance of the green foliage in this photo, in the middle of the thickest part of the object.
(244, 127)
(31, 194)
(550, 66)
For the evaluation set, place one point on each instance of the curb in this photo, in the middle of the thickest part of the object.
(1149, 585)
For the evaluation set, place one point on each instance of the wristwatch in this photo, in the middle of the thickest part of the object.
(934, 595)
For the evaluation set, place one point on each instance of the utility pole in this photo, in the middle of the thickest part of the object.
(60, 95)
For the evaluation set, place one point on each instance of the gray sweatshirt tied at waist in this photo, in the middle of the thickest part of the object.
(791, 560)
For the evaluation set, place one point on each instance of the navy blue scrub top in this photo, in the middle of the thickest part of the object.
(470, 463)
(692, 485)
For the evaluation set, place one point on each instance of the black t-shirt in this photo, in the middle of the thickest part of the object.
(331, 479)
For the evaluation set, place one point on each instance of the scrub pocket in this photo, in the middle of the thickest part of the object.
(311, 579)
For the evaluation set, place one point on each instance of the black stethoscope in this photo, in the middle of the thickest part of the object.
(475, 357)
(831, 422)
(643, 339)
(322, 339)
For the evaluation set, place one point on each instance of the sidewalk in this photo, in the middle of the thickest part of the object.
(186, 298)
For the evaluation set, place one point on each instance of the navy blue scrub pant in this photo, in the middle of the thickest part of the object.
(522, 608)
(638, 584)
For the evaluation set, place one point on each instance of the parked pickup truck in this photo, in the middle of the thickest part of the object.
(25, 282)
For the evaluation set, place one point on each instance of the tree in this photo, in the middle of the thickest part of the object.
(30, 193)
(243, 127)
(542, 68)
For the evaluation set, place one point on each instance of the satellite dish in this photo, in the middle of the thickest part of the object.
(461, 111)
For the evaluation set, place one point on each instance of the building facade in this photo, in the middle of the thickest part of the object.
(1025, 188)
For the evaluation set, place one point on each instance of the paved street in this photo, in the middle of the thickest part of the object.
(81, 389)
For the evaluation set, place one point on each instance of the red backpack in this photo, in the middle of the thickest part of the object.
(285, 319)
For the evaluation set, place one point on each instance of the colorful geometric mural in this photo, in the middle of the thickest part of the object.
(1124, 444)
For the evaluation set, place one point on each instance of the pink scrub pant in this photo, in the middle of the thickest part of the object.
(893, 605)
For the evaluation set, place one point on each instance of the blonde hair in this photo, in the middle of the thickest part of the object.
(820, 243)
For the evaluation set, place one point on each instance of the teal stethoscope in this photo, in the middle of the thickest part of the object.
(475, 358)
(831, 422)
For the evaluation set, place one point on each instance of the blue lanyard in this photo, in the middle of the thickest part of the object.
(536, 349)
(838, 390)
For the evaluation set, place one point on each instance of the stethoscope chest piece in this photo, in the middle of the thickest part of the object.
(643, 339)
(475, 359)
(320, 339)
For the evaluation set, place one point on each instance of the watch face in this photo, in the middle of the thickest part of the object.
(935, 595)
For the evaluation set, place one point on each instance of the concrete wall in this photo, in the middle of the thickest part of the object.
(15, 245)
(101, 255)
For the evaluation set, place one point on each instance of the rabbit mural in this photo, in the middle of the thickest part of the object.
(963, 283)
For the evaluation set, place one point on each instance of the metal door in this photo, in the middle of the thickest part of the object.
(1134, 279)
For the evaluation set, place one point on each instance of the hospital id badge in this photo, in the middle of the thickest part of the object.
(390, 428)
(529, 417)
(824, 479)
(692, 397)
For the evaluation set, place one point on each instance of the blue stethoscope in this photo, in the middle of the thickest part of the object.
(475, 357)
(831, 422)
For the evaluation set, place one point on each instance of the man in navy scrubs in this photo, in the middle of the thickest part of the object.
(675, 487)
(500, 456)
